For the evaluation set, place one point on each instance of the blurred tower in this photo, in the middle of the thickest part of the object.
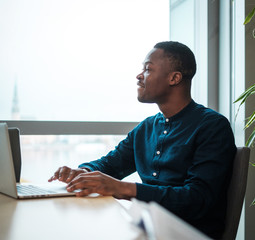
(15, 114)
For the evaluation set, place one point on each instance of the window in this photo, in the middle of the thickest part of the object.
(77, 60)
(42, 155)
(188, 24)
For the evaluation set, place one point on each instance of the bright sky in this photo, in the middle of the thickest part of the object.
(77, 60)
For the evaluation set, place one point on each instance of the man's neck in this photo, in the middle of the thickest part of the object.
(171, 108)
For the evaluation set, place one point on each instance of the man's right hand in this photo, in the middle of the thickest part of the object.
(66, 174)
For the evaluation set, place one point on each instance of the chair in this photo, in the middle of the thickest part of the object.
(15, 148)
(236, 192)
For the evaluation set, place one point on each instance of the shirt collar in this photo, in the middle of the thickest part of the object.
(190, 107)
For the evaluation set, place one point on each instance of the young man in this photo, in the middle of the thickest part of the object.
(183, 154)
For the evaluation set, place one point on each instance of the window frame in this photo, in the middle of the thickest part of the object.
(71, 128)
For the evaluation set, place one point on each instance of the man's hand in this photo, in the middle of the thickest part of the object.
(97, 182)
(66, 174)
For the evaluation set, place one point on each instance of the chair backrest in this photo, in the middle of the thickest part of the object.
(236, 192)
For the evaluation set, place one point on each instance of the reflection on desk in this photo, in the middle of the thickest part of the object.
(65, 218)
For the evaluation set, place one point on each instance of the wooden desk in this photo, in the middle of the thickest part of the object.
(64, 218)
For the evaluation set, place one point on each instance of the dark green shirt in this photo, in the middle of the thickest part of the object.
(184, 162)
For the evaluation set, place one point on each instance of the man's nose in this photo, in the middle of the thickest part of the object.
(139, 76)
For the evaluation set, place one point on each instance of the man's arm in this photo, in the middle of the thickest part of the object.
(118, 163)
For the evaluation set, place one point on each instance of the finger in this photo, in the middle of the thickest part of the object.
(84, 192)
(78, 178)
(84, 180)
(72, 175)
(84, 176)
(55, 176)
(51, 179)
(64, 173)
(80, 185)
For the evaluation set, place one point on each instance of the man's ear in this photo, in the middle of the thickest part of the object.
(175, 78)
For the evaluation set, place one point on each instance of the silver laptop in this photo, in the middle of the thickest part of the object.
(8, 178)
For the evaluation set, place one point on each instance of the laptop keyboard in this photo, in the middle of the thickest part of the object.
(32, 190)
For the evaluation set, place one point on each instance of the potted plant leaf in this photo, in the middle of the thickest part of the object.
(245, 95)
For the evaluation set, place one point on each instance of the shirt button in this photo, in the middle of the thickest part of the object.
(165, 132)
(167, 120)
(158, 152)
(154, 174)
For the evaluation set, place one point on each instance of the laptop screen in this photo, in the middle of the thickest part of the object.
(15, 148)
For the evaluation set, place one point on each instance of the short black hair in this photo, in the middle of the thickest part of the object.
(182, 57)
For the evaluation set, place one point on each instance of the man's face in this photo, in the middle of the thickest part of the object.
(153, 81)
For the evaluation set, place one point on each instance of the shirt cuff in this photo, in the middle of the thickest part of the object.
(88, 168)
(145, 192)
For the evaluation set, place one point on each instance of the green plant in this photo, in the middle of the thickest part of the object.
(249, 16)
(251, 119)
(244, 96)
(247, 93)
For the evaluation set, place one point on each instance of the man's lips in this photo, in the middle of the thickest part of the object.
(140, 84)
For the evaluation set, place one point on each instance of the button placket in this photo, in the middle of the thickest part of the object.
(158, 152)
